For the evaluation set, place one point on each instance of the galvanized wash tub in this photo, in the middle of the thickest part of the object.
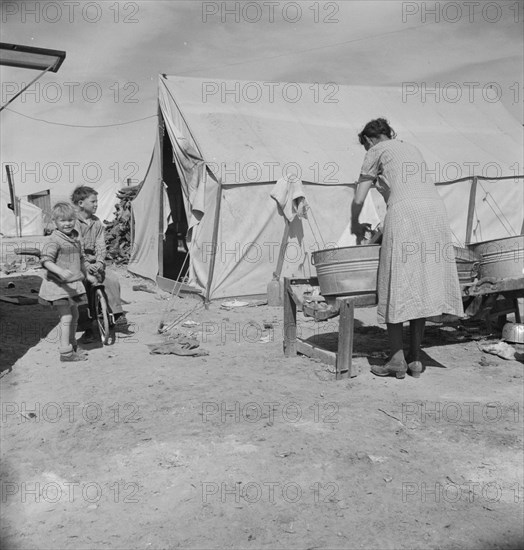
(501, 258)
(467, 264)
(346, 271)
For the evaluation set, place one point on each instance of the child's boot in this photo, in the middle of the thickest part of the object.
(69, 355)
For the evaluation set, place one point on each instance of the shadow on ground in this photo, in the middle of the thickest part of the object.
(372, 341)
(20, 330)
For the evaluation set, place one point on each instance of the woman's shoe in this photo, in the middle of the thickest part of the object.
(415, 369)
(390, 369)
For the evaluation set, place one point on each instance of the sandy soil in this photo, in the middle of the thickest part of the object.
(244, 448)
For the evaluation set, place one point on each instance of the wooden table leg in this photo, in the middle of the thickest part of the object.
(517, 310)
(344, 367)
(290, 321)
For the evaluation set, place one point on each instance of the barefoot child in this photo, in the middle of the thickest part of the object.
(91, 231)
(62, 286)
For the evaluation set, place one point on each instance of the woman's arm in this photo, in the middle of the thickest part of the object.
(363, 186)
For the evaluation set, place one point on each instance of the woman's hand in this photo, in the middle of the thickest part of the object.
(359, 230)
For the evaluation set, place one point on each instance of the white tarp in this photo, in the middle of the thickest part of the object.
(32, 219)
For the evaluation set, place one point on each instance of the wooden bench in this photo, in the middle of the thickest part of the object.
(344, 307)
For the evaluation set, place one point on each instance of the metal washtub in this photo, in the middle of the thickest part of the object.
(501, 258)
(347, 271)
(467, 264)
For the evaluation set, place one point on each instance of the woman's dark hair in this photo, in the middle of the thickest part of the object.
(375, 128)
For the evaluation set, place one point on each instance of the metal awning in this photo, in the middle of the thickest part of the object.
(28, 57)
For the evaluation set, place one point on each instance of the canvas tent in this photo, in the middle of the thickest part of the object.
(222, 145)
(32, 219)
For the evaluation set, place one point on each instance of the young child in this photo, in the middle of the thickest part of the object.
(62, 287)
(91, 231)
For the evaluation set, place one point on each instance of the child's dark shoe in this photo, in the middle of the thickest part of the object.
(89, 337)
(122, 324)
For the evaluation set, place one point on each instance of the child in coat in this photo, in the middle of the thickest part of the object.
(91, 231)
(62, 287)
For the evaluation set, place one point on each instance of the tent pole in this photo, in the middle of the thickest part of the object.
(161, 192)
(471, 209)
(15, 203)
(214, 241)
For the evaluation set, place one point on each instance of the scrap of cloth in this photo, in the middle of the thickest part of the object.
(178, 344)
(170, 348)
(289, 193)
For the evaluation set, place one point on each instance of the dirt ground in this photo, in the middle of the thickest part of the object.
(246, 449)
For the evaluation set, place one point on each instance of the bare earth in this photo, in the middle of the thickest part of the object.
(246, 449)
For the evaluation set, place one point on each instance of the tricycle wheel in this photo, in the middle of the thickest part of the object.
(102, 316)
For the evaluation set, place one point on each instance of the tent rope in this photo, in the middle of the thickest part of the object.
(182, 317)
(478, 226)
(161, 327)
(459, 241)
(318, 234)
(487, 196)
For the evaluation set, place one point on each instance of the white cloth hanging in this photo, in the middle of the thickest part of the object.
(368, 215)
(289, 194)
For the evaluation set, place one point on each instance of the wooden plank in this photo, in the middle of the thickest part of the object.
(345, 338)
(471, 209)
(312, 281)
(364, 300)
(494, 286)
(310, 350)
(296, 296)
(290, 321)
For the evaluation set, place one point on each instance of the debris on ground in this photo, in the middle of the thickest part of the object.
(178, 344)
(233, 303)
(503, 350)
(189, 324)
(143, 288)
(10, 267)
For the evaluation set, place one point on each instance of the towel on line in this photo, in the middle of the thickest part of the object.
(289, 193)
